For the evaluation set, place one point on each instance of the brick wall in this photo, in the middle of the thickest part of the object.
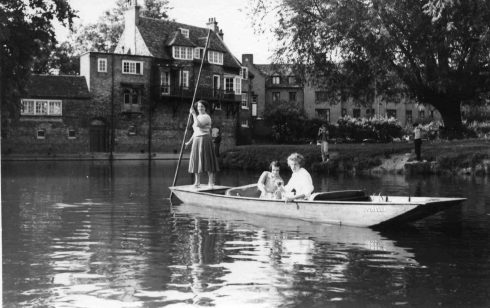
(22, 138)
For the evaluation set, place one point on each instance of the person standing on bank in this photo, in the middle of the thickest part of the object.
(417, 140)
(323, 135)
(216, 133)
(202, 158)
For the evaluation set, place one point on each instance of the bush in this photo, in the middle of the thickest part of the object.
(287, 121)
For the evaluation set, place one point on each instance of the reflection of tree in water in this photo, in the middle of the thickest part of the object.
(301, 263)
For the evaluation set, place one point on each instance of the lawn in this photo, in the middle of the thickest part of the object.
(357, 156)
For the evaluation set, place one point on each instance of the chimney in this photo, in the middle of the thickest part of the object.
(213, 24)
(132, 12)
(247, 58)
(131, 20)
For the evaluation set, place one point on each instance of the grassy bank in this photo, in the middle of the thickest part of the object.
(450, 155)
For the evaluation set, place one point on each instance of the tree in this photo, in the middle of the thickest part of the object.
(287, 120)
(439, 49)
(26, 31)
(103, 35)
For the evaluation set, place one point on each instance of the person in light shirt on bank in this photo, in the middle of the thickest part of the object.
(417, 140)
(300, 181)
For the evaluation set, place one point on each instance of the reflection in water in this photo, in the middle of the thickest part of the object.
(92, 234)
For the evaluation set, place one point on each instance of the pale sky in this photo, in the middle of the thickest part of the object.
(231, 16)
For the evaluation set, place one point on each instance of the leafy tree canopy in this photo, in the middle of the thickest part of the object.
(438, 49)
(26, 32)
(103, 35)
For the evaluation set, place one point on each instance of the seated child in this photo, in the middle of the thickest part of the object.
(270, 181)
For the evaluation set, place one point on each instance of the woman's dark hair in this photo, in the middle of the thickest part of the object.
(205, 103)
(274, 163)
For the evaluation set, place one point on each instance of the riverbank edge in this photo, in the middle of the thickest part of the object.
(92, 156)
(461, 157)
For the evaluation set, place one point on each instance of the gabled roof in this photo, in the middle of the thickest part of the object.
(178, 39)
(56, 86)
(159, 35)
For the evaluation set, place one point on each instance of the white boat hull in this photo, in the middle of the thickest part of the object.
(351, 213)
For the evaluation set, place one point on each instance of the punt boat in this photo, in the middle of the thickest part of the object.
(346, 207)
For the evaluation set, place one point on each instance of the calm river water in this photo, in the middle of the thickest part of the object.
(88, 234)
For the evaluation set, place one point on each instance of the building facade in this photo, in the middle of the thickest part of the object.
(56, 116)
(149, 82)
(276, 84)
(137, 98)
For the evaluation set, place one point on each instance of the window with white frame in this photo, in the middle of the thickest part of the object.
(72, 133)
(185, 32)
(41, 134)
(215, 57)
(40, 107)
(184, 79)
(102, 65)
(183, 53)
(132, 67)
(244, 73)
(198, 52)
(165, 82)
(244, 123)
(276, 79)
(244, 101)
(229, 84)
(238, 85)
(254, 105)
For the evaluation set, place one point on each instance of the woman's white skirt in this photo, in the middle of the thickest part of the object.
(203, 158)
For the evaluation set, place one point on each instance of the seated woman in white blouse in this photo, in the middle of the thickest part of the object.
(300, 181)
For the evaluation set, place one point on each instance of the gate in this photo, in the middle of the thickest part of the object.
(98, 136)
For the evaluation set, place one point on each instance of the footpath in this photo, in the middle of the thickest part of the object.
(93, 156)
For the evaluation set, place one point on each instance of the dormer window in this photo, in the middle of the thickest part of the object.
(215, 57)
(276, 79)
(182, 53)
(185, 32)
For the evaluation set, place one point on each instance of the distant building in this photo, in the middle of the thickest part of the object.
(54, 116)
(272, 84)
(276, 84)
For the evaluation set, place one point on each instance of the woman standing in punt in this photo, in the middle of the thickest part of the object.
(202, 158)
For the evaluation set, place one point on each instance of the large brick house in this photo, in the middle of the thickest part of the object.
(148, 83)
(54, 117)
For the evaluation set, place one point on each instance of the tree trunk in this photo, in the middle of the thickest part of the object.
(450, 110)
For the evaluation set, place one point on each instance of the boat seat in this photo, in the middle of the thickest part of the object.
(244, 191)
(341, 195)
